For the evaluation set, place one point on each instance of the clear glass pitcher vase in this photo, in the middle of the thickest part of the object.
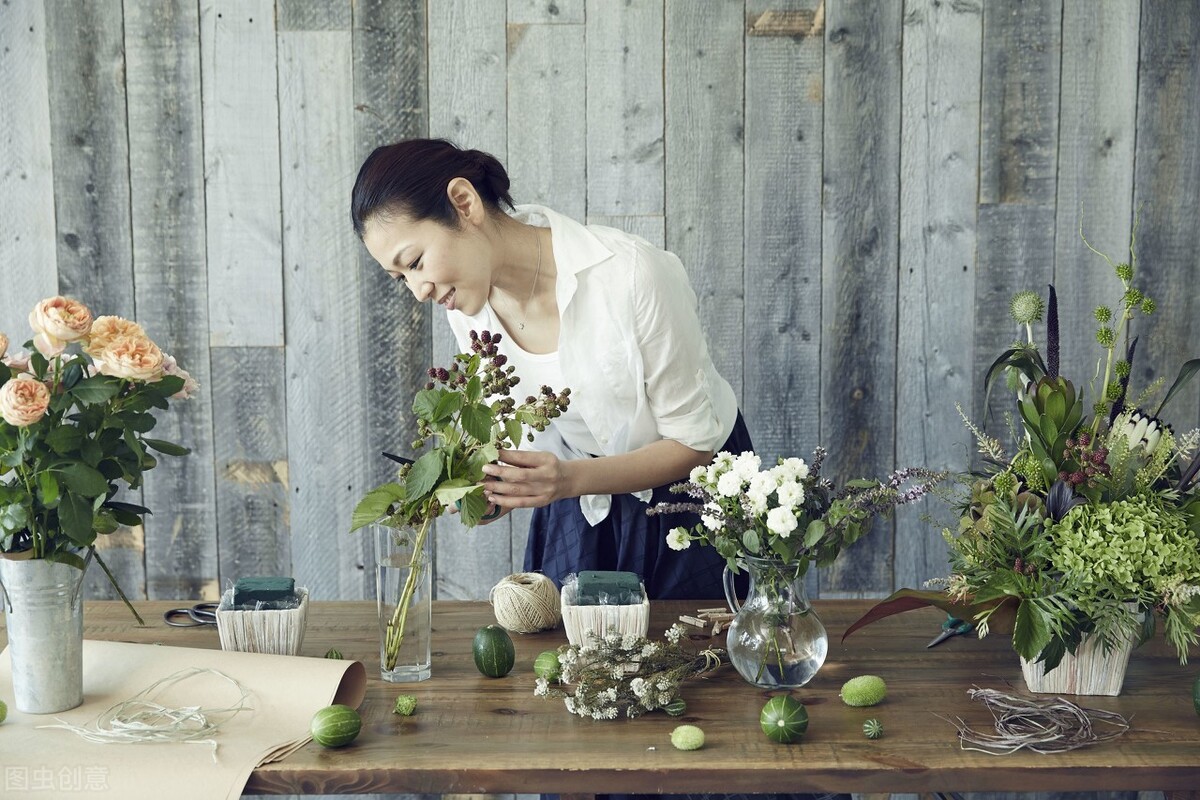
(776, 640)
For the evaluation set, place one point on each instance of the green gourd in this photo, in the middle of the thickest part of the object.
(865, 690)
(493, 651)
(336, 726)
(784, 719)
(547, 666)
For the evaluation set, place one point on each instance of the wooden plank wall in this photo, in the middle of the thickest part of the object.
(856, 189)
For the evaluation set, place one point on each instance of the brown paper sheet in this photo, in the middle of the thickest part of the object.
(284, 693)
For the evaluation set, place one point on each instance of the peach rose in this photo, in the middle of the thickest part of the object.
(18, 362)
(190, 384)
(3, 345)
(107, 328)
(134, 358)
(23, 401)
(58, 321)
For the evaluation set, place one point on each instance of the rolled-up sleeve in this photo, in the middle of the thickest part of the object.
(690, 402)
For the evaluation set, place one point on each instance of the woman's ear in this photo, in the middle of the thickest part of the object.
(466, 200)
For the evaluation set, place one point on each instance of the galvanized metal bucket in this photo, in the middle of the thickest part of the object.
(43, 605)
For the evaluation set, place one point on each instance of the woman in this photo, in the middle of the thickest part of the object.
(586, 307)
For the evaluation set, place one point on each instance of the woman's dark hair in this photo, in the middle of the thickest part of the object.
(410, 177)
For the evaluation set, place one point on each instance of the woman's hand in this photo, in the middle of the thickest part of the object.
(525, 479)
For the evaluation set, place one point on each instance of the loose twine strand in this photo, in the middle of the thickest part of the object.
(526, 602)
(1053, 725)
(141, 719)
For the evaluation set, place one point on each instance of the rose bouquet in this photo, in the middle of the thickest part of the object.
(1091, 528)
(77, 407)
(466, 411)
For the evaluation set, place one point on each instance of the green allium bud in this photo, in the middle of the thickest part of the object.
(1026, 307)
(1106, 338)
(1112, 392)
(1005, 482)
(1100, 408)
(1148, 306)
(1103, 314)
(1125, 272)
(1122, 368)
(1133, 297)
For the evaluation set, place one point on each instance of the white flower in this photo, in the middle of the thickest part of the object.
(664, 698)
(756, 503)
(790, 494)
(781, 521)
(746, 465)
(712, 518)
(570, 704)
(678, 539)
(674, 633)
(719, 466)
(663, 684)
(541, 688)
(794, 468)
(638, 687)
(629, 641)
(763, 482)
(729, 485)
(697, 474)
(649, 649)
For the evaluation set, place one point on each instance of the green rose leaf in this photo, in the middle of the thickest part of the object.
(84, 480)
(816, 529)
(75, 516)
(47, 488)
(96, 389)
(167, 448)
(90, 451)
(423, 475)
(64, 439)
(425, 402)
(477, 422)
(140, 422)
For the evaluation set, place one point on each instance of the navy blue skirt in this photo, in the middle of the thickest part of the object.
(562, 542)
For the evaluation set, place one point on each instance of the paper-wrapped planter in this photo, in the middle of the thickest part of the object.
(275, 631)
(597, 603)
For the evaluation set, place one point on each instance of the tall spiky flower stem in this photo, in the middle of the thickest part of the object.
(1125, 273)
(394, 636)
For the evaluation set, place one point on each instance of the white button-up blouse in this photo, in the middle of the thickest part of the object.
(630, 345)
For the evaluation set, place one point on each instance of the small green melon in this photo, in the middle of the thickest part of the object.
(405, 705)
(872, 728)
(784, 719)
(865, 690)
(333, 653)
(493, 651)
(687, 737)
(676, 708)
(336, 726)
(546, 666)
(3, 711)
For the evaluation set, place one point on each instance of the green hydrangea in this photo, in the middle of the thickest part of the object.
(1126, 549)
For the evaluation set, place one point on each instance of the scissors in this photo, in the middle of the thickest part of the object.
(953, 626)
(193, 617)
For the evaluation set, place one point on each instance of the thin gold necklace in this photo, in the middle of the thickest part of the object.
(532, 289)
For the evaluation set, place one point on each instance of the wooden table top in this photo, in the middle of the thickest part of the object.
(473, 734)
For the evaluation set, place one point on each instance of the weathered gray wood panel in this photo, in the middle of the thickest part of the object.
(784, 118)
(88, 133)
(939, 167)
(251, 463)
(468, 104)
(1166, 188)
(704, 92)
(390, 104)
(241, 169)
(162, 66)
(546, 115)
(524, 12)
(325, 419)
(28, 263)
(625, 109)
(1018, 161)
(1095, 171)
(859, 257)
(306, 15)
(89, 137)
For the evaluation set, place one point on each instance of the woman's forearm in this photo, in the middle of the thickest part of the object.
(656, 464)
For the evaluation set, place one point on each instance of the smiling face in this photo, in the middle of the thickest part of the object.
(445, 265)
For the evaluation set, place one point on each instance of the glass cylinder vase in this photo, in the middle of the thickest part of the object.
(404, 594)
(43, 607)
(776, 640)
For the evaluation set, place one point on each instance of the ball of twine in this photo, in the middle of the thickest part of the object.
(526, 602)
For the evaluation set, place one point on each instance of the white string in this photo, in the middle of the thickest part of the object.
(142, 719)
